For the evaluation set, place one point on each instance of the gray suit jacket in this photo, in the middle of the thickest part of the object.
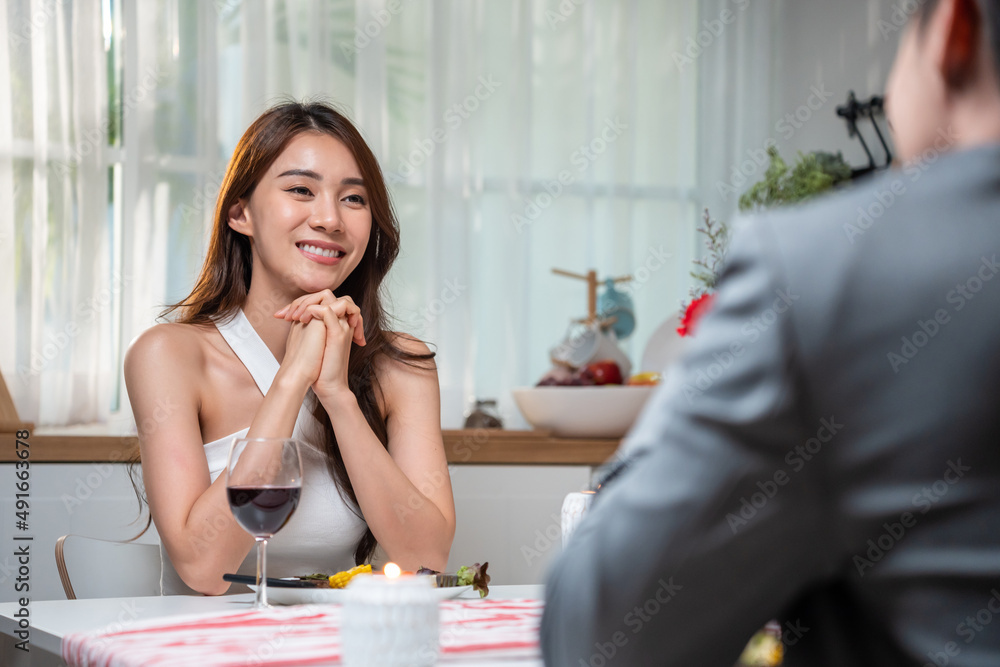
(827, 452)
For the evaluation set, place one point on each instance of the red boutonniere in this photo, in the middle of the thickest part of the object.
(694, 312)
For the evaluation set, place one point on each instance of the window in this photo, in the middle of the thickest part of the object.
(517, 137)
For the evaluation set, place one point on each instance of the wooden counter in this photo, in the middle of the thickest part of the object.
(474, 446)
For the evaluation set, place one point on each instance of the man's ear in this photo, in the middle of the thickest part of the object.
(962, 24)
(239, 220)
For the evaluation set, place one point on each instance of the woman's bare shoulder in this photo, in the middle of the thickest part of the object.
(410, 369)
(168, 344)
(408, 383)
(416, 354)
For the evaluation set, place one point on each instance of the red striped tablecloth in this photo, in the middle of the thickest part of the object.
(305, 635)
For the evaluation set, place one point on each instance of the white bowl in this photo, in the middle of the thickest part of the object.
(582, 412)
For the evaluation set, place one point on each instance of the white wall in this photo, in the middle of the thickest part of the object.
(509, 516)
(836, 47)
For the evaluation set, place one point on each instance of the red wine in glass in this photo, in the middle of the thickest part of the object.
(263, 510)
(263, 485)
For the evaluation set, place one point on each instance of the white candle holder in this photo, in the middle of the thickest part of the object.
(390, 622)
(574, 508)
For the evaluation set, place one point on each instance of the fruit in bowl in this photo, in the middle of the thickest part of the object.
(643, 379)
(596, 373)
(604, 372)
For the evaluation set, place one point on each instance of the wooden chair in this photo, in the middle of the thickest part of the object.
(93, 568)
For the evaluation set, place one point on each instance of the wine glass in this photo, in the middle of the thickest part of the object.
(263, 483)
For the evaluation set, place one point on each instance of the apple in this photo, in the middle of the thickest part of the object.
(604, 371)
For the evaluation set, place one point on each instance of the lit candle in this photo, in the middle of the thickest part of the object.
(390, 621)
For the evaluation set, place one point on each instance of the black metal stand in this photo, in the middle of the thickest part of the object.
(854, 110)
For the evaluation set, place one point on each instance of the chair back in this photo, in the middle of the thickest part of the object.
(93, 568)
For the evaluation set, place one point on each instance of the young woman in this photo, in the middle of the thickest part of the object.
(284, 335)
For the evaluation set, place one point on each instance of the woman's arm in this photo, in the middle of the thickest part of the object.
(405, 492)
(164, 373)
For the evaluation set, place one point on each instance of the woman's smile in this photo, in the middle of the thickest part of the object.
(321, 252)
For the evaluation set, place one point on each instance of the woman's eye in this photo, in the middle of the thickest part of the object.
(300, 191)
(355, 199)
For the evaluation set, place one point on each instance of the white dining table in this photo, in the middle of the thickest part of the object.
(51, 620)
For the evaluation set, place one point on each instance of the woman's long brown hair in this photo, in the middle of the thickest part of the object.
(224, 282)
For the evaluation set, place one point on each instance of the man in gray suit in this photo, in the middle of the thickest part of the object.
(828, 451)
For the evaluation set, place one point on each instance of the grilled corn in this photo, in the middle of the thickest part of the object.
(341, 579)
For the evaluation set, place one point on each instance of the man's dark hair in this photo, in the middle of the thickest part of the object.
(990, 12)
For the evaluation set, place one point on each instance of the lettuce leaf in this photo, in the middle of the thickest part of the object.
(476, 577)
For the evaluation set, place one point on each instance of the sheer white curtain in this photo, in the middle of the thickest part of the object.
(535, 135)
(737, 92)
(518, 136)
(55, 253)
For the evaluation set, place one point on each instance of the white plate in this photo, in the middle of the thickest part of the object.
(335, 595)
(665, 345)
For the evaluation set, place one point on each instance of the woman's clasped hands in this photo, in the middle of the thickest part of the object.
(319, 344)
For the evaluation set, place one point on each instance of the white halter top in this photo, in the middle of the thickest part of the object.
(325, 529)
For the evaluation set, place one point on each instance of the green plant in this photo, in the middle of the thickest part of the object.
(812, 174)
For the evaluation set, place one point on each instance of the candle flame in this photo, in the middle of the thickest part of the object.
(392, 570)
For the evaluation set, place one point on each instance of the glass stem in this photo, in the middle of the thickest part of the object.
(261, 601)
